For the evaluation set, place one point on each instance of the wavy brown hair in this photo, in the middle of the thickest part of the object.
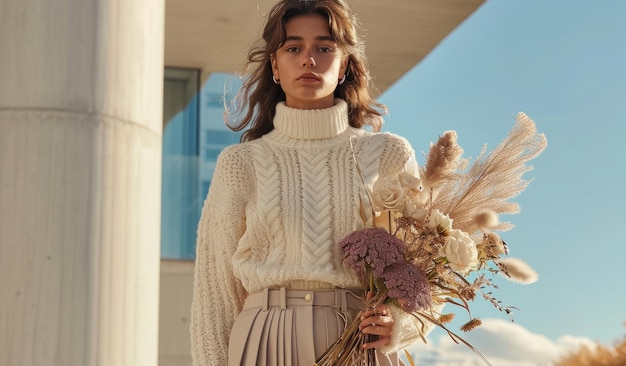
(255, 105)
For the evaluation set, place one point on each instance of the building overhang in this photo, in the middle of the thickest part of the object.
(214, 35)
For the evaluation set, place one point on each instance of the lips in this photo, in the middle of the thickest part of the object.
(309, 77)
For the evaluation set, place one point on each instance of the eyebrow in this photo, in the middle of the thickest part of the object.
(318, 38)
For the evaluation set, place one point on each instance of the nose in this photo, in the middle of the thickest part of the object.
(308, 61)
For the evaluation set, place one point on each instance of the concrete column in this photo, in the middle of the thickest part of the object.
(80, 164)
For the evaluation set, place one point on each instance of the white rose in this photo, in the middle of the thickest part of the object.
(440, 222)
(460, 251)
(414, 211)
(388, 195)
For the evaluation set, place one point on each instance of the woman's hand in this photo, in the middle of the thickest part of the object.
(377, 322)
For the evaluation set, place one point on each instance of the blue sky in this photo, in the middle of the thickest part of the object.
(564, 65)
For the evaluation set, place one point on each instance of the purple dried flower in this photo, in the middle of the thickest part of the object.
(408, 285)
(372, 248)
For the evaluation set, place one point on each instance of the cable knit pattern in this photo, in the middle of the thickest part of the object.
(277, 208)
(316, 220)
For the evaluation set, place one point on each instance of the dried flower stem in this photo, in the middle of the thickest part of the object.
(456, 338)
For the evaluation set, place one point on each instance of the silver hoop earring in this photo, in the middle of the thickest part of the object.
(277, 82)
(343, 80)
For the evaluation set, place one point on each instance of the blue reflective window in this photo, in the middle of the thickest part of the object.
(193, 136)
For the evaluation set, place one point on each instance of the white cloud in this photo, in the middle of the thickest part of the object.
(503, 343)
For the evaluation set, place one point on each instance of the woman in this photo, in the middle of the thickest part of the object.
(270, 288)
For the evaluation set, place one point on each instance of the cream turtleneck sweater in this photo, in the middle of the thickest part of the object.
(277, 208)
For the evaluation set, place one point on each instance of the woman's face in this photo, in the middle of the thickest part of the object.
(309, 64)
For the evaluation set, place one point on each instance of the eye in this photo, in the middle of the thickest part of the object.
(292, 49)
(325, 49)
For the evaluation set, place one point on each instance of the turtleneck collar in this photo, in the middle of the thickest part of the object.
(312, 124)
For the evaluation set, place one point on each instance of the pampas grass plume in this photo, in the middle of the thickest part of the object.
(446, 318)
(442, 161)
(469, 326)
(517, 270)
(487, 220)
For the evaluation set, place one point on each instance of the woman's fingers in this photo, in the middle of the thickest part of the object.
(381, 329)
(381, 310)
(378, 322)
(378, 325)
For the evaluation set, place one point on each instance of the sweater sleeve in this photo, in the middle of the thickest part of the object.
(398, 156)
(218, 296)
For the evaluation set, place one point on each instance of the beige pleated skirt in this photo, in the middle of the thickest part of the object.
(282, 327)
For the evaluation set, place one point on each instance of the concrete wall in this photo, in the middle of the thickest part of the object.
(175, 306)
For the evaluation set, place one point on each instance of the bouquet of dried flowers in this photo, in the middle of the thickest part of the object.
(431, 239)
